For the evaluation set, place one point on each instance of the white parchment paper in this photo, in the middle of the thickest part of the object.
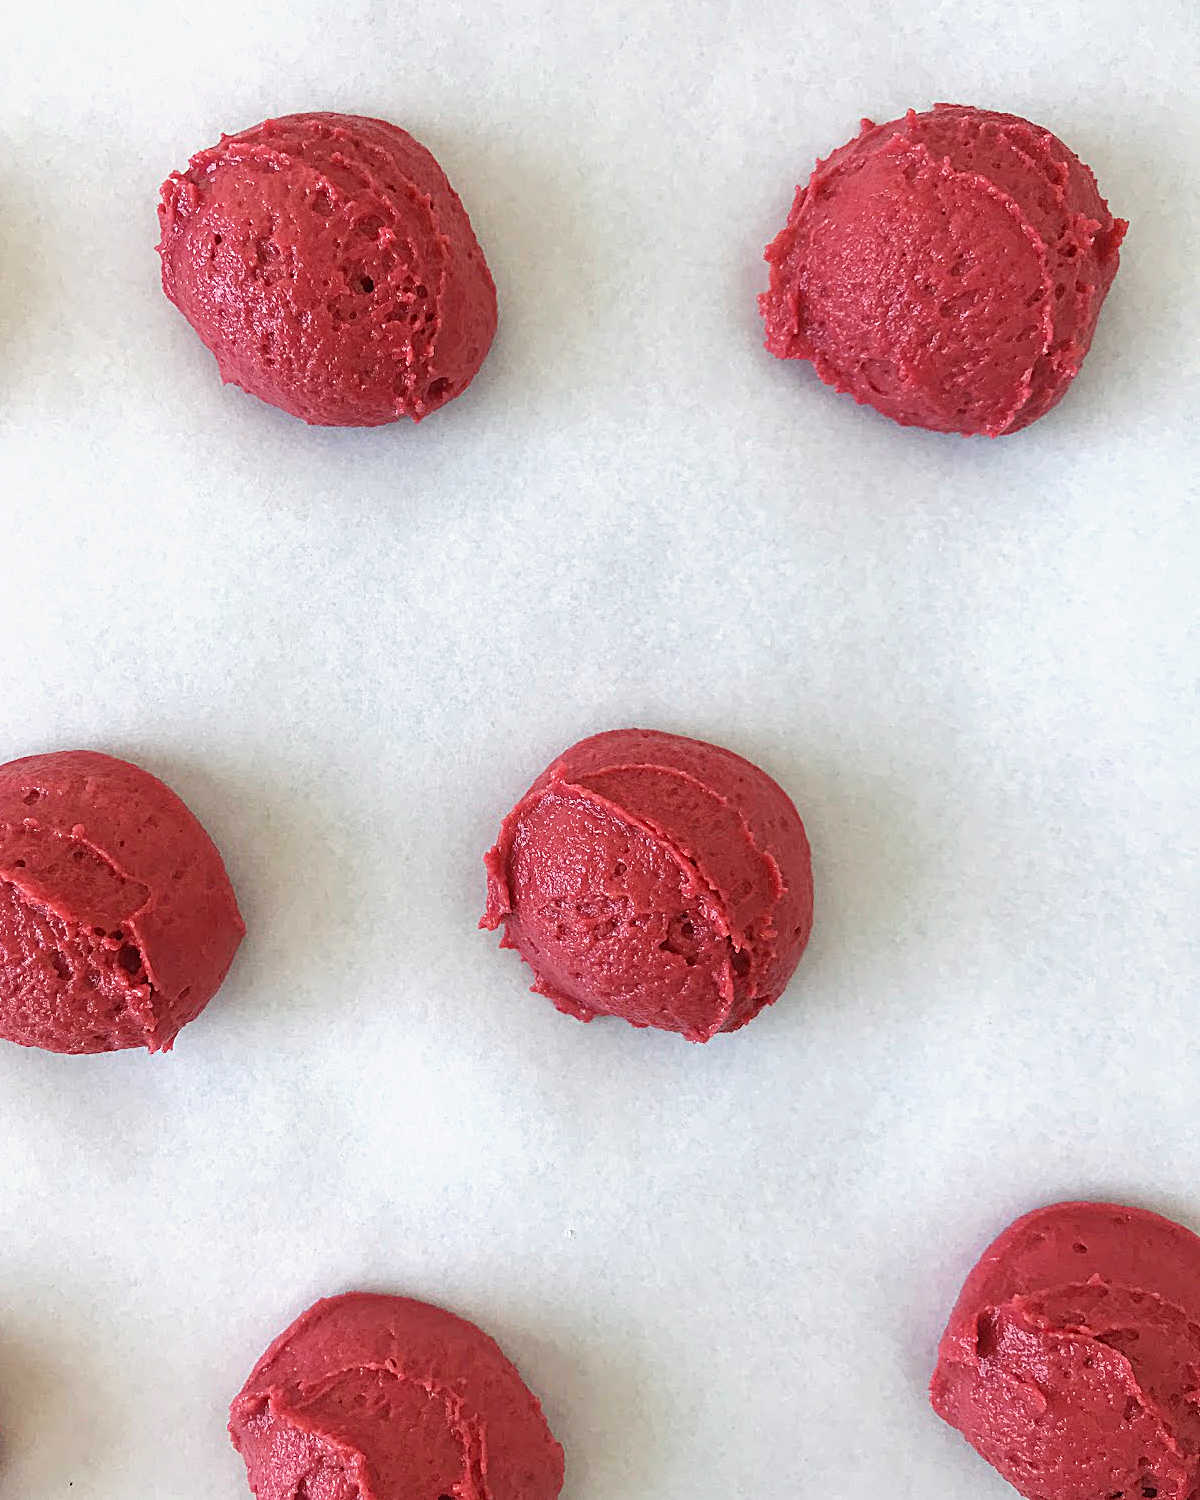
(973, 665)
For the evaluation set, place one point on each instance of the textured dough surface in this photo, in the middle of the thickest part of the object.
(946, 268)
(370, 1397)
(1071, 1361)
(656, 878)
(117, 919)
(330, 267)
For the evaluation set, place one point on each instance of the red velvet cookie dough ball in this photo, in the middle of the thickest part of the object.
(1070, 1359)
(946, 268)
(370, 1397)
(117, 919)
(656, 878)
(330, 267)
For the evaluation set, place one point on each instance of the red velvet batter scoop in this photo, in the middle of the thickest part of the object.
(117, 919)
(369, 1397)
(1071, 1361)
(946, 268)
(331, 268)
(656, 878)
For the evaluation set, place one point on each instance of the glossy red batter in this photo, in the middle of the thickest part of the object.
(330, 267)
(656, 878)
(117, 919)
(1072, 1357)
(369, 1397)
(946, 268)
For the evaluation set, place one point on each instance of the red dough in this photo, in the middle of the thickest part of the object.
(117, 919)
(381, 1398)
(1072, 1357)
(330, 267)
(946, 268)
(656, 878)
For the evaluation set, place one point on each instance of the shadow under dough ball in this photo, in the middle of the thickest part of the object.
(117, 920)
(1070, 1360)
(656, 878)
(370, 1397)
(330, 267)
(946, 268)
